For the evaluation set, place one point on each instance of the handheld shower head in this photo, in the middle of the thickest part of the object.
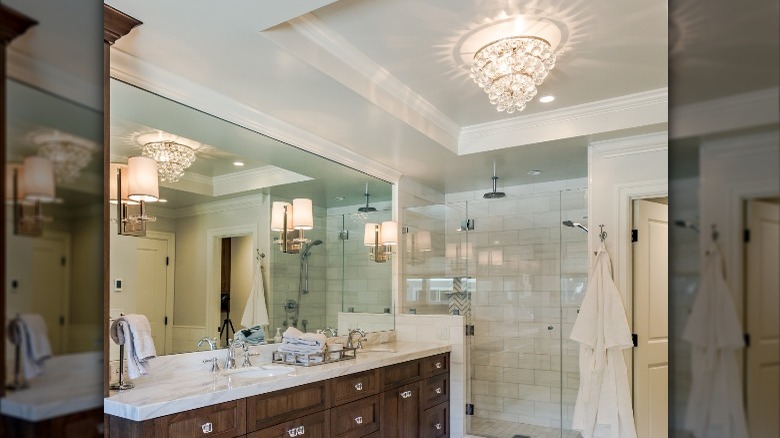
(307, 247)
(571, 224)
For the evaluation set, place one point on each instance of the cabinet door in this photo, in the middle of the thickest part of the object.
(225, 420)
(401, 411)
(401, 374)
(435, 390)
(435, 422)
(354, 387)
(311, 426)
(356, 419)
(288, 404)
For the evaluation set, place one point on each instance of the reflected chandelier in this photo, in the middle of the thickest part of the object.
(68, 154)
(172, 158)
(510, 69)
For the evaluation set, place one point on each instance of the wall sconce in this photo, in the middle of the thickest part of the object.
(291, 220)
(132, 185)
(31, 184)
(381, 239)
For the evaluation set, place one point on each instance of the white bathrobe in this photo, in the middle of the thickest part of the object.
(604, 399)
(256, 312)
(715, 406)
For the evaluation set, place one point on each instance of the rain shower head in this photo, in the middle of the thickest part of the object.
(494, 194)
(571, 224)
(366, 209)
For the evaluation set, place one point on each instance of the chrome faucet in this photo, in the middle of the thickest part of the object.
(212, 343)
(360, 340)
(333, 332)
(230, 360)
(246, 362)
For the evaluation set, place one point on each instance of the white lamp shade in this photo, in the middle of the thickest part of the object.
(497, 257)
(38, 179)
(451, 250)
(277, 215)
(483, 258)
(9, 181)
(389, 233)
(424, 241)
(303, 214)
(369, 237)
(142, 182)
(112, 193)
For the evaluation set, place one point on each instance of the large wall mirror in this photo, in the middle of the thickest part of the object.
(211, 244)
(54, 196)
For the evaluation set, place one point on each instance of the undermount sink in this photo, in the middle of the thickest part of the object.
(259, 371)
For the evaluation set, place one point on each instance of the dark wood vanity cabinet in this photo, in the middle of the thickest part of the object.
(408, 399)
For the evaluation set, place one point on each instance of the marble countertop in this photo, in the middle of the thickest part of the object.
(69, 383)
(182, 382)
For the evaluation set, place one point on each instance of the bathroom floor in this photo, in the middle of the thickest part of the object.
(487, 428)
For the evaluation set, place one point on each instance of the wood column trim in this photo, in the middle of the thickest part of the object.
(12, 24)
(116, 24)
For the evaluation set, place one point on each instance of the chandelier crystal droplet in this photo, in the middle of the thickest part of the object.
(172, 158)
(510, 69)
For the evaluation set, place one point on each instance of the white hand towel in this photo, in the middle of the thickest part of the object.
(29, 332)
(255, 312)
(293, 334)
(135, 333)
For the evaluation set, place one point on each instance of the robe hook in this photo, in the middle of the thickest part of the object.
(602, 233)
(714, 233)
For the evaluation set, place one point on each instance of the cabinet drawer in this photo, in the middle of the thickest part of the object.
(436, 364)
(269, 409)
(355, 419)
(435, 421)
(311, 426)
(401, 374)
(354, 386)
(436, 390)
(222, 420)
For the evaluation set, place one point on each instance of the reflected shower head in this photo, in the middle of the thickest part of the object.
(571, 224)
(307, 247)
(366, 209)
(687, 224)
(494, 194)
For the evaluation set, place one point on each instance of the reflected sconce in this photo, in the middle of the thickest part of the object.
(291, 220)
(132, 185)
(381, 240)
(28, 186)
(417, 241)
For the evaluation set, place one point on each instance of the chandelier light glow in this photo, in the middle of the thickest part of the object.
(510, 69)
(172, 158)
(68, 154)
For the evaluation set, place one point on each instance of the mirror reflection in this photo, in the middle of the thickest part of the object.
(54, 195)
(238, 230)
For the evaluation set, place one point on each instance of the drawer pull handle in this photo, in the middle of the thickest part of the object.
(437, 426)
(359, 420)
(207, 428)
(359, 386)
(438, 390)
(406, 394)
(438, 365)
(296, 431)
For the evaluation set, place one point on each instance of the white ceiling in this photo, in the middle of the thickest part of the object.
(386, 78)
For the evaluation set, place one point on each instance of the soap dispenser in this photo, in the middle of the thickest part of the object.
(278, 337)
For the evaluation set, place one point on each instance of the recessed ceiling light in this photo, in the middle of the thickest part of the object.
(534, 172)
(547, 98)
(238, 163)
(340, 198)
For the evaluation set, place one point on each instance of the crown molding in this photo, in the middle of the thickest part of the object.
(638, 144)
(220, 206)
(140, 73)
(373, 82)
(629, 111)
(730, 113)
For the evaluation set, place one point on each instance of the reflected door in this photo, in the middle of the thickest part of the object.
(651, 357)
(151, 289)
(50, 288)
(763, 320)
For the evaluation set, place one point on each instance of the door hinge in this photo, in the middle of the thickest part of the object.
(747, 339)
(466, 225)
(469, 409)
(746, 236)
(62, 320)
(635, 339)
(166, 319)
(634, 235)
(167, 261)
(62, 261)
(469, 329)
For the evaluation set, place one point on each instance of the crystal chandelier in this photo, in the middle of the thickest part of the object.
(172, 158)
(510, 69)
(68, 154)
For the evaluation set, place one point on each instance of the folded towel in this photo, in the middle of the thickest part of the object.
(296, 336)
(29, 332)
(300, 349)
(135, 333)
(252, 336)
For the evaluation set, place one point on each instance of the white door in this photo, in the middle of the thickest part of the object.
(762, 320)
(650, 319)
(151, 288)
(49, 285)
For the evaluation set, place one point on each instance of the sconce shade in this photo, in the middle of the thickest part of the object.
(424, 241)
(369, 238)
(303, 214)
(38, 179)
(277, 215)
(112, 194)
(142, 182)
(389, 233)
(9, 181)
